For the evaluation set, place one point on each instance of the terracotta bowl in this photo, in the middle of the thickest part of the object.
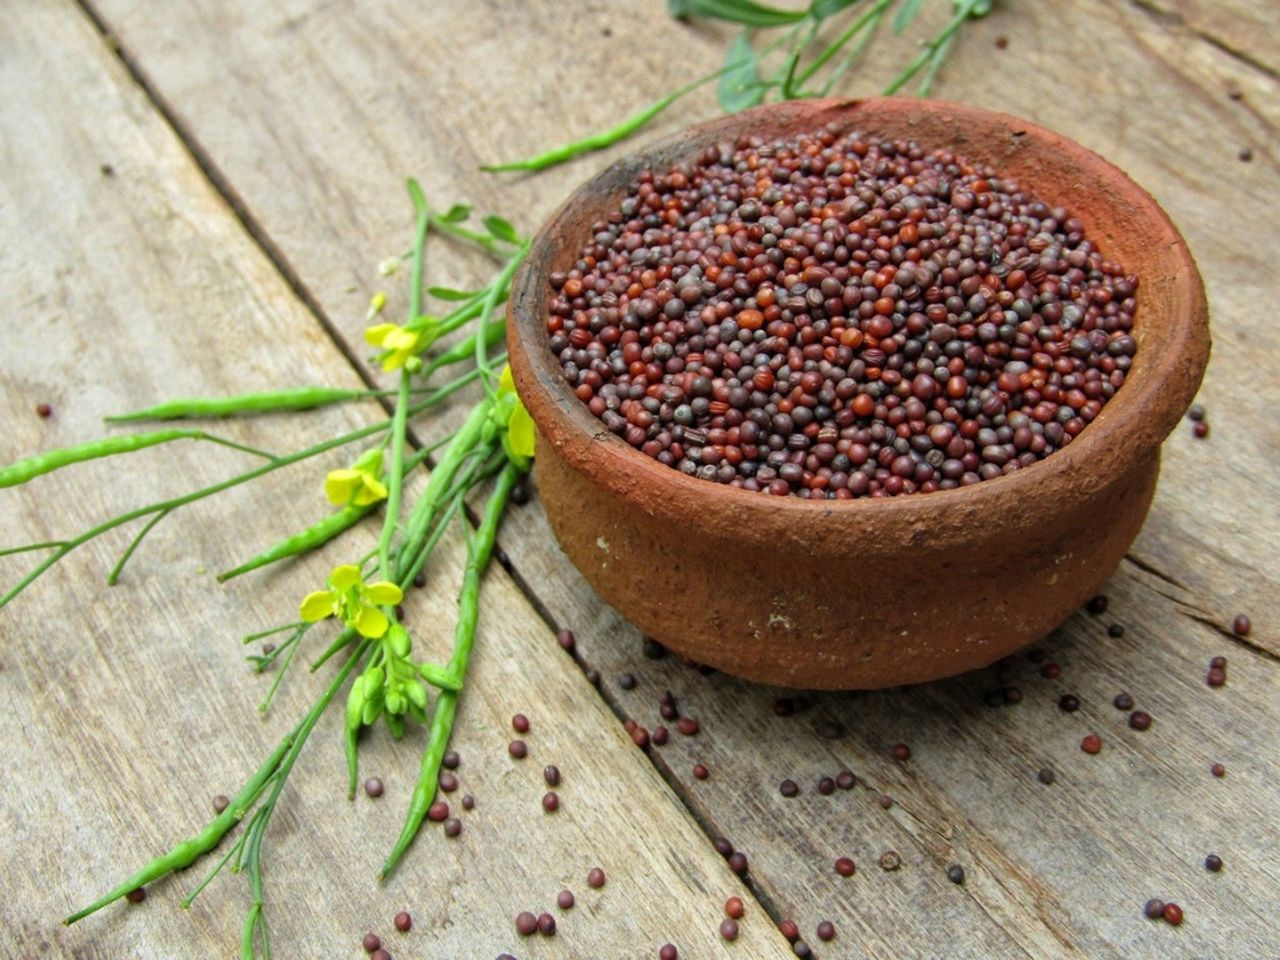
(870, 592)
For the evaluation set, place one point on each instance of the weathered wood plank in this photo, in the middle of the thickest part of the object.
(1246, 28)
(1055, 874)
(126, 710)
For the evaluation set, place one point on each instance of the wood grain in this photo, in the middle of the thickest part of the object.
(1244, 28)
(307, 113)
(126, 710)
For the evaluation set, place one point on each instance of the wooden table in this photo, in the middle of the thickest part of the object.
(194, 200)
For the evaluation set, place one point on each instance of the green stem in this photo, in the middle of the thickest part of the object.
(495, 294)
(479, 552)
(395, 476)
(874, 13)
(962, 14)
(114, 577)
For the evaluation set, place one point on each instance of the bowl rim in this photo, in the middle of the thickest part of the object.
(1157, 389)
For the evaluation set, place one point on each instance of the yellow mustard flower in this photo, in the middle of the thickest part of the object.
(357, 485)
(353, 601)
(398, 343)
(519, 437)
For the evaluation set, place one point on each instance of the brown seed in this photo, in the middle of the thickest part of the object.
(403, 922)
(1213, 863)
(371, 942)
(729, 928)
(551, 773)
(1046, 776)
(451, 760)
(687, 726)
(660, 736)
(1097, 604)
(550, 801)
(373, 787)
(738, 863)
(1154, 908)
(380, 954)
(546, 925)
(1122, 701)
(846, 867)
(1092, 743)
(526, 923)
(44, 411)
(1218, 663)
(889, 860)
(220, 803)
(1051, 671)
(826, 786)
(520, 723)
(1139, 720)
(668, 952)
(136, 895)
(640, 737)
(845, 780)
(1241, 625)
(595, 878)
(564, 900)
(733, 907)
(789, 930)
(448, 782)
(826, 930)
(452, 827)
(788, 788)
(468, 802)
(1245, 154)
(700, 771)
(566, 640)
(1172, 914)
(1216, 677)
(518, 749)
(1218, 770)
(1002, 42)
(901, 751)
(438, 811)
(1069, 703)
(627, 681)
(885, 801)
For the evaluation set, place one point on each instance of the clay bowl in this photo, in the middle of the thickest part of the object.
(870, 592)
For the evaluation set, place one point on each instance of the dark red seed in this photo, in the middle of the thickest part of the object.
(380, 954)
(826, 786)
(43, 410)
(566, 640)
(734, 907)
(789, 930)
(1069, 703)
(1218, 663)
(845, 780)
(723, 847)
(1139, 720)
(1092, 743)
(546, 925)
(518, 749)
(593, 676)
(595, 878)
(468, 802)
(526, 924)
(846, 867)
(550, 801)
(640, 737)
(1218, 770)
(1200, 430)
(451, 760)
(1122, 701)
(1051, 671)
(687, 726)
(788, 788)
(886, 801)
(1216, 677)
(901, 751)
(564, 900)
(1213, 863)
(1245, 154)
(220, 803)
(1002, 42)
(738, 863)
(729, 928)
(373, 787)
(1172, 914)
(452, 827)
(403, 922)
(448, 782)
(826, 930)
(668, 952)
(1012, 695)
(551, 773)
(1241, 625)
(371, 942)
(1097, 605)
(136, 895)
(700, 771)
(438, 811)
(520, 723)
(1154, 908)
(660, 736)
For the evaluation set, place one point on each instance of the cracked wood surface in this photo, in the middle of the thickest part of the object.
(308, 115)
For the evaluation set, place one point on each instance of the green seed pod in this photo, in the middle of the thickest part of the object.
(395, 702)
(371, 711)
(396, 725)
(373, 680)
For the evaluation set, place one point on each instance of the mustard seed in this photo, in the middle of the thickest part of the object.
(1069, 703)
(220, 803)
(1097, 605)
(403, 922)
(371, 942)
(1122, 701)
(1046, 776)
(1154, 909)
(595, 878)
(789, 930)
(890, 860)
(845, 780)
(729, 928)
(1213, 863)
(826, 930)
(546, 925)
(1218, 770)
(136, 895)
(564, 900)
(846, 867)
(526, 923)
(44, 411)
(700, 771)
(1140, 720)
(520, 723)
(1172, 914)
(566, 640)
(551, 774)
(550, 801)
(668, 952)
(788, 788)
(738, 863)
(518, 749)
(373, 787)
(438, 812)
(1241, 625)
(452, 827)
(1092, 743)
(734, 908)
(955, 873)
(901, 751)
